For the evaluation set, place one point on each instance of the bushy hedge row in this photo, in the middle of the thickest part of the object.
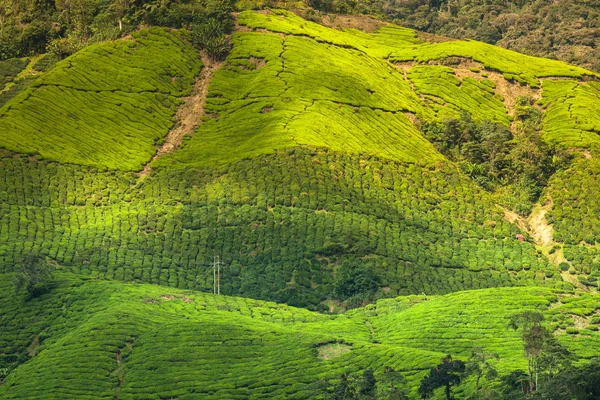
(281, 224)
(402, 45)
(110, 104)
(9, 69)
(572, 112)
(476, 97)
(100, 339)
(574, 215)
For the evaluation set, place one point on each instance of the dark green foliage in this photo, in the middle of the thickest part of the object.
(210, 37)
(446, 374)
(354, 280)
(9, 70)
(481, 364)
(544, 353)
(481, 149)
(280, 235)
(578, 383)
(392, 385)
(17, 87)
(495, 158)
(368, 385)
(32, 275)
(515, 385)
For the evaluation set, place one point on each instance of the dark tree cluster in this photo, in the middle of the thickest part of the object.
(29, 27)
(495, 157)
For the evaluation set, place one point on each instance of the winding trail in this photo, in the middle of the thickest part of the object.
(190, 113)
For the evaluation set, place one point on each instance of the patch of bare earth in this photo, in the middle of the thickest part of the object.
(360, 22)
(330, 351)
(542, 233)
(190, 113)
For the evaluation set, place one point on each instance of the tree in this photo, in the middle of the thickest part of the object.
(480, 365)
(120, 9)
(355, 280)
(392, 385)
(32, 275)
(534, 335)
(554, 357)
(446, 374)
(344, 389)
(368, 385)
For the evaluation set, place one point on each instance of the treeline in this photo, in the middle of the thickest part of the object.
(566, 30)
(29, 27)
(516, 165)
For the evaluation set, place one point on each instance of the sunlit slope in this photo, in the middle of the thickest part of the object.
(275, 93)
(101, 339)
(569, 105)
(107, 105)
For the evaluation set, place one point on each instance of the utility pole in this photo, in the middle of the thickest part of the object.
(216, 275)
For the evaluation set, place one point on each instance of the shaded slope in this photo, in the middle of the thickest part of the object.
(281, 223)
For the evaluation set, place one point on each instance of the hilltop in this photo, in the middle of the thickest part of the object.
(315, 162)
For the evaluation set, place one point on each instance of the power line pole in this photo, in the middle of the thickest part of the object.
(216, 275)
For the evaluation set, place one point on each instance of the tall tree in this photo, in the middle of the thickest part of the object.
(481, 365)
(534, 335)
(446, 374)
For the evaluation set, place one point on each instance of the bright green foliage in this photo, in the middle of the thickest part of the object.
(402, 45)
(380, 45)
(106, 106)
(100, 339)
(437, 83)
(572, 112)
(268, 98)
(515, 66)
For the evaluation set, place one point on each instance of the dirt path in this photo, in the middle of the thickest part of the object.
(542, 233)
(189, 114)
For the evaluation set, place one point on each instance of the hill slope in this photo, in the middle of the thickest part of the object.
(308, 159)
(310, 176)
(103, 339)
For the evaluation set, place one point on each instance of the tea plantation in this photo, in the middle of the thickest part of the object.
(348, 240)
(120, 93)
(104, 339)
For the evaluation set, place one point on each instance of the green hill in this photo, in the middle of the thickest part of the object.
(104, 339)
(312, 161)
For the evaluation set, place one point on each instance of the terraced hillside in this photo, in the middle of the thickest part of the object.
(308, 161)
(309, 174)
(104, 339)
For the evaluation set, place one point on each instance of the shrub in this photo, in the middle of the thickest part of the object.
(32, 275)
